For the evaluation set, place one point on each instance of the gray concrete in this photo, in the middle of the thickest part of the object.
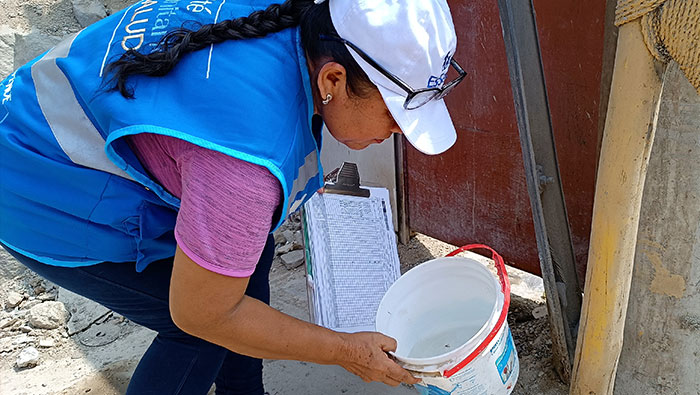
(661, 352)
(288, 295)
(375, 164)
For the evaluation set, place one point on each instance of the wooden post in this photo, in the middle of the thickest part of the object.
(628, 137)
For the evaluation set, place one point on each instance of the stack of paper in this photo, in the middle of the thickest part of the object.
(351, 258)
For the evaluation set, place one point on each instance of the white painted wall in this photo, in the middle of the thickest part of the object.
(375, 164)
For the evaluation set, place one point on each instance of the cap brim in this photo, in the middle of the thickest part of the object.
(428, 128)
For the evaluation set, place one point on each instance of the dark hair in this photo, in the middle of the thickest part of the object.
(314, 20)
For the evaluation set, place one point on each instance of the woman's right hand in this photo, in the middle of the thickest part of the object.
(366, 356)
(250, 327)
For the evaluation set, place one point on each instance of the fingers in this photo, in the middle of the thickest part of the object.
(387, 343)
(402, 375)
(395, 373)
(386, 379)
(372, 363)
(391, 381)
(389, 373)
(395, 378)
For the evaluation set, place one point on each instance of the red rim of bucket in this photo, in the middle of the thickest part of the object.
(505, 288)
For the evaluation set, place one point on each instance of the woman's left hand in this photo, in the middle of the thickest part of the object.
(367, 357)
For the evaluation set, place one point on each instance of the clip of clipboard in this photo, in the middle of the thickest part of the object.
(346, 181)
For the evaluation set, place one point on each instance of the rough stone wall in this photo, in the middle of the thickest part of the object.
(662, 330)
(30, 27)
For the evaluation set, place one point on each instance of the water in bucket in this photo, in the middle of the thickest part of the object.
(454, 330)
(448, 318)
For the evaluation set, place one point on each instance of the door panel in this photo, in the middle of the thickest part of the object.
(476, 191)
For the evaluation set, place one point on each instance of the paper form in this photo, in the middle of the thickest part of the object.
(352, 258)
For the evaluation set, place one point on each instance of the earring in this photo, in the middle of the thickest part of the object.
(328, 99)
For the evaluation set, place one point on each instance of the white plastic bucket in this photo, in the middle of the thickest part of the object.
(448, 316)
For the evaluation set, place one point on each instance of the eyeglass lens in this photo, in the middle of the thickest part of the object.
(420, 98)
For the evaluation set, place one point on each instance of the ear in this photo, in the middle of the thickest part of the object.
(332, 78)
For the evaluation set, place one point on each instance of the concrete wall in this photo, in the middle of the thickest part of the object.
(28, 28)
(661, 351)
(375, 164)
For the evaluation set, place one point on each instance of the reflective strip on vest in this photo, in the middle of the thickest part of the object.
(308, 171)
(73, 130)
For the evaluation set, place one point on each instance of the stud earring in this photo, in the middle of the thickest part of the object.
(328, 99)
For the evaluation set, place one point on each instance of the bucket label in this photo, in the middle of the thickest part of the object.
(431, 389)
(505, 362)
(493, 372)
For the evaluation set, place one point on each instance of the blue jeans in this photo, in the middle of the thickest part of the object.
(175, 363)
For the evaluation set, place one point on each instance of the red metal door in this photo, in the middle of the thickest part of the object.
(476, 191)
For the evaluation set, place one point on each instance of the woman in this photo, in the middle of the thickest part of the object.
(146, 160)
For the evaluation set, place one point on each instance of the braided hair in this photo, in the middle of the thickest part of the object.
(313, 19)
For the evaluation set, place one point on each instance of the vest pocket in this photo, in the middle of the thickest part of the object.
(153, 233)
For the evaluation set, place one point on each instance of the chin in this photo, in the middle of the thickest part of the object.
(357, 146)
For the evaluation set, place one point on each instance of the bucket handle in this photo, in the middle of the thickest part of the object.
(505, 288)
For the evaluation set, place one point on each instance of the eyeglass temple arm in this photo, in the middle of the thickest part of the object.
(459, 68)
(371, 62)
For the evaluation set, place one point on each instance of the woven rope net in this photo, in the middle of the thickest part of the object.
(671, 30)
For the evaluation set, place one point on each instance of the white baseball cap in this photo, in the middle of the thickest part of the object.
(413, 40)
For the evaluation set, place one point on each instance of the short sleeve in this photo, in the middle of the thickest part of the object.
(226, 212)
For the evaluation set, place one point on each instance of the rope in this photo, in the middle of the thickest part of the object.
(671, 30)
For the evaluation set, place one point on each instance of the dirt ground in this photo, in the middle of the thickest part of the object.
(96, 350)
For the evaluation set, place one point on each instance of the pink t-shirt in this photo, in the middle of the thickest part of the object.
(227, 205)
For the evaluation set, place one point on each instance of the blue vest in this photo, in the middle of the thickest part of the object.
(73, 193)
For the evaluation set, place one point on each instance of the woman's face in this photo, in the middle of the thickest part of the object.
(356, 121)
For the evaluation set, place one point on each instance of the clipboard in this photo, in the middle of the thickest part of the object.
(350, 250)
